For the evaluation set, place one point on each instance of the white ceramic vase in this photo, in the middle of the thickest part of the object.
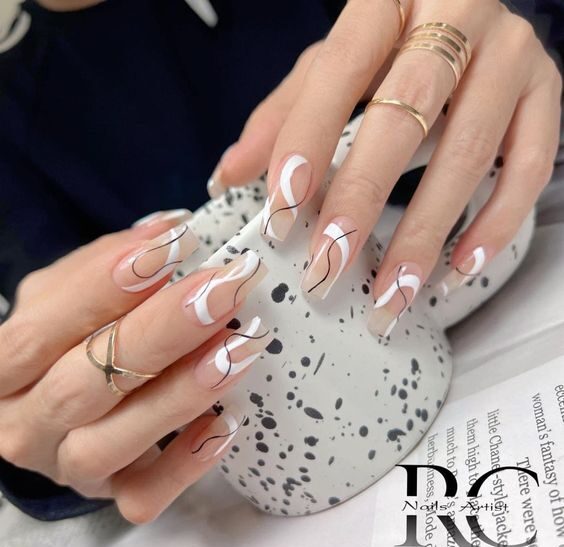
(331, 408)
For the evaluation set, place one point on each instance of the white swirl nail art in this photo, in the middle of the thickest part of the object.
(218, 434)
(178, 250)
(407, 280)
(321, 274)
(232, 427)
(223, 360)
(246, 269)
(393, 302)
(470, 268)
(288, 203)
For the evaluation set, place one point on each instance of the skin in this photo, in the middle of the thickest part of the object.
(306, 114)
(58, 415)
(72, 419)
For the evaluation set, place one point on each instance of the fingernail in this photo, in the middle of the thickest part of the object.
(233, 355)
(401, 286)
(225, 288)
(281, 207)
(176, 215)
(155, 259)
(330, 257)
(218, 434)
(463, 274)
(215, 187)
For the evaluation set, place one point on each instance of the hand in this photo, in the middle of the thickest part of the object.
(59, 415)
(510, 93)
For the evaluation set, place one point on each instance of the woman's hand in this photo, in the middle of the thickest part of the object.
(59, 415)
(510, 92)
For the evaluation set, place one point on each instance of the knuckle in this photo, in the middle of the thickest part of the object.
(28, 284)
(523, 32)
(340, 55)
(15, 448)
(425, 238)
(473, 149)
(537, 164)
(20, 345)
(308, 54)
(80, 461)
(358, 184)
(417, 91)
(59, 398)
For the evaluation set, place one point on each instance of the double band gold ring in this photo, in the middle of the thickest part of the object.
(109, 366)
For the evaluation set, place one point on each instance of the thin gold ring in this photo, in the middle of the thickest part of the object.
(450, 29)
(437, 50)
(441, 37)
(408, 108)
(401, 13)
(109, 367)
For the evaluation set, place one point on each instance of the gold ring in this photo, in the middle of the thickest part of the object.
(109, 368)
(437, 50)
(452, 31)
(441, 37)
(401, 13)
(404, 106)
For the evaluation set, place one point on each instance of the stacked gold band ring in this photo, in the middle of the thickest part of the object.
(109, 367)
(404, 106)
(443, 40)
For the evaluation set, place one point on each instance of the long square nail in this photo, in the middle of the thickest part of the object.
(233, 355)
(281, 207)
(224, 289)
(332, 254)
(155, 259)
(218, 434)
(400, 287)
(465, 272)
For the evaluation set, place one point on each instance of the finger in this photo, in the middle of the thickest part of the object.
(143, 494)
(247, 159)
(477, 120)
(171, 324)
(177, 397)
(337, 78)
(530, 147)
(58, 307)
(386, 141)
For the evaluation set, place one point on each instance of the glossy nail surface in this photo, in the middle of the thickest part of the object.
(215, 186)
(237, 352)
(155, 259)
(177, 216)
(218, 434)
(467, 270)
(281, 207)
(330, 257)
(224, 289)
(401, 286)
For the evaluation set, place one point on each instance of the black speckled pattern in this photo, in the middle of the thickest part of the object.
(331, 409)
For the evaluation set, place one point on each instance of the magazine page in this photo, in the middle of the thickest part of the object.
(499, 471)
